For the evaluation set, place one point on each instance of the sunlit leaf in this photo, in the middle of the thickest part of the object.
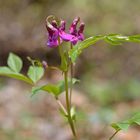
(5, 71)
(134, 38)
(113, 39)
(77, 50)
(121, 126)
(124, 125)
(35, 73)
(14, 62)
(135, 119)
(54, 89)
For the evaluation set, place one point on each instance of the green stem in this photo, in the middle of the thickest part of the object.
(61, 106)
(114, 135)
(71, 76)
(68, 105)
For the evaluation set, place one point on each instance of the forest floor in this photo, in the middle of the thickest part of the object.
(38, 118)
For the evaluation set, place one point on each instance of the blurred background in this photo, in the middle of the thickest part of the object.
(109, 90)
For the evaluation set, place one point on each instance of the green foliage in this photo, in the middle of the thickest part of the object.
(5, 71)
(35, 73)
(15, 62)
(113, 39)
(14, 67)
(55, 89)
(124, 125)
(77, 50)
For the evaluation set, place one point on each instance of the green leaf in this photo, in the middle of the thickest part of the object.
(35, 73)
(124, 125)
(5, 71)
(121, 126)
(135, 119)
(55, 89)
(134, 38)
(77, 50)
(15, 62)
(113, 39)
(50, 88)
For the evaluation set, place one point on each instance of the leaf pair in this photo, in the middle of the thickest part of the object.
(54, 89)
(14, 67)
(126, 124)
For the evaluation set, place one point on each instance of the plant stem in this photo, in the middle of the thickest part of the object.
(68, 105)
(61, 106)
(114, 135)
(71, 76)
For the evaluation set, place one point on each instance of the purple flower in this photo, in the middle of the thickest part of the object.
(57, 34)
(52, 35)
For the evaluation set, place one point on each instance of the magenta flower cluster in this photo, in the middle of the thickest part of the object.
(57, 34)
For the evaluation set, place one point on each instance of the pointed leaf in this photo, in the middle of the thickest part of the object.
(76, 51)
(55, 89)
(135, 119)
(113, 39)
(124, 125)
(35, 73)
(121, 126)
(5, 71)
(15, 62)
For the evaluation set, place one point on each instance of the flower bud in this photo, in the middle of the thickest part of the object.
(44, 64)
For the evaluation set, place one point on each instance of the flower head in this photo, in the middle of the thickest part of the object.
(52, 36)
(57, 34)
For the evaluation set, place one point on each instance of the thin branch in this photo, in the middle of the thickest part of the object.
(61, 106)
(114, 135)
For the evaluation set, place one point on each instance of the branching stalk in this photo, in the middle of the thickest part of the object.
(68, 100)
(61, 106)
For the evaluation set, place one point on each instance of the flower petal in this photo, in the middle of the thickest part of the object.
(62, 25)
(53, 34)
(52, 31)
(65, 36)
(74, 40)
(80, 31)
(68, 37)
(73, 29)
(53, 43)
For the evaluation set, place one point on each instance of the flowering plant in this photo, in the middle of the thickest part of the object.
(56, 36)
